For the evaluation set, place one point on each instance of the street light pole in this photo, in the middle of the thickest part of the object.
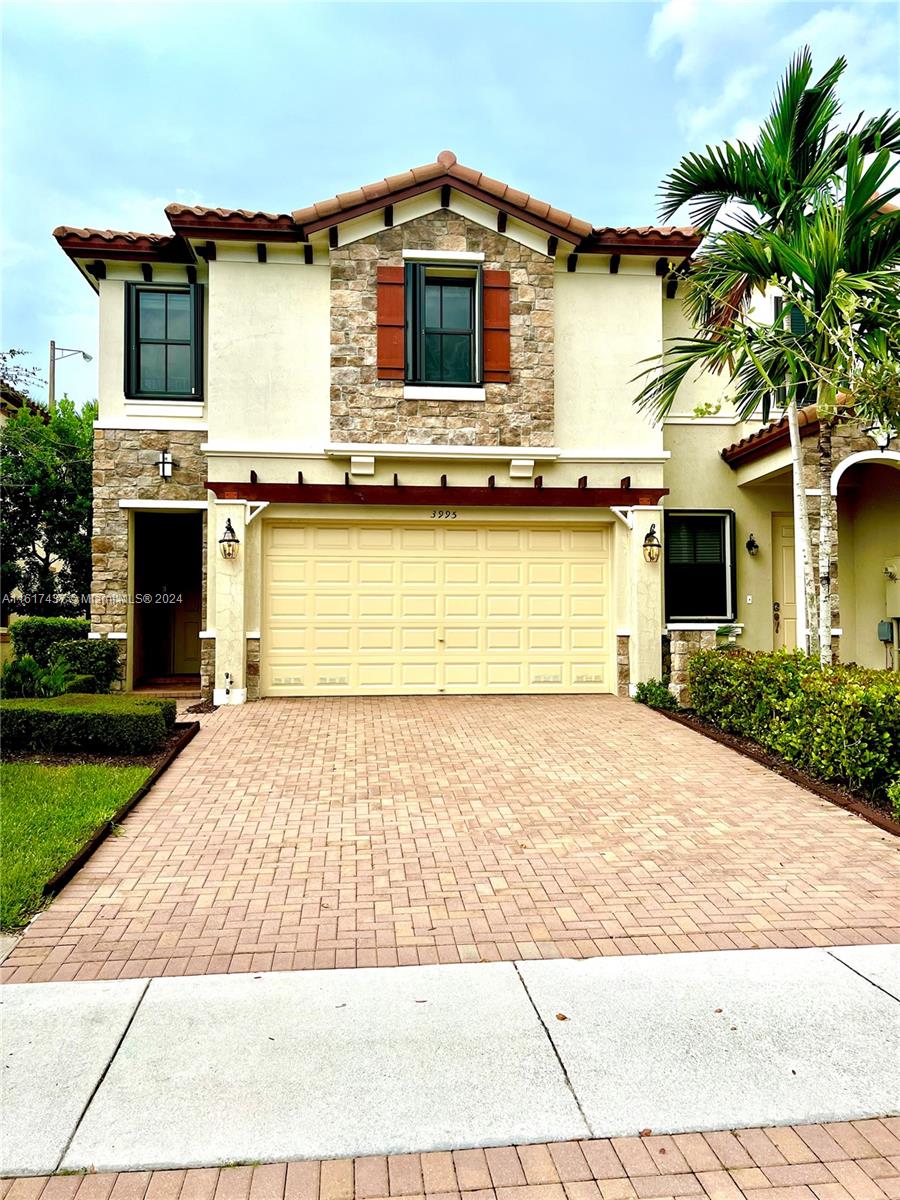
(55, 353)
(51, 387)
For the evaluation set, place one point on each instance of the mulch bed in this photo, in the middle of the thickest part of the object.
(870, 809)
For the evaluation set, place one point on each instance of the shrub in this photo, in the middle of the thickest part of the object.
(893, 795)
(84, 685)
(37, 635)
(24, 678)
(840, 723)
(105, 724)
(655, 693)
(97, 657)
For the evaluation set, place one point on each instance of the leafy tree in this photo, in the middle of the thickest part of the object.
(45, 507)
(817, 227)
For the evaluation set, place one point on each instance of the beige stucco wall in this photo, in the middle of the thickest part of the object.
(698, 478)
(605, 324)
(869, 535)
(268, 361)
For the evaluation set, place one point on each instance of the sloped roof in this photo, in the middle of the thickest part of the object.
(198, 221)
(770, 438)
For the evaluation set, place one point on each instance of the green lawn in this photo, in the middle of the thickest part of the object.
(48, 814)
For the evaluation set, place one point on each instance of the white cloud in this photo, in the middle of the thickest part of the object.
(729, 55)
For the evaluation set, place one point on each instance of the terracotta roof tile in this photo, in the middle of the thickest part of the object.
(447, 167)
(770, 437)
(201, 221)
(69, 232)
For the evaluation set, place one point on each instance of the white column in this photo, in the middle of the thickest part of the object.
(231, 641)
(645, 647)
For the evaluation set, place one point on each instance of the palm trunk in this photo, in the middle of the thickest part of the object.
(825, 409)
(801, 525)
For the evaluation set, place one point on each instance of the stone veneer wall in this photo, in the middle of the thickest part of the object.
(125, 469)
(847, 438)
(684, 644)
(253, 668)
(623, 665)
(367, 409)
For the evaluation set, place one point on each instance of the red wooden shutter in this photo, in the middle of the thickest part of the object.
(391, 359)
(496, 326)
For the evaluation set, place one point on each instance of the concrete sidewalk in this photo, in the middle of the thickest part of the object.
(125, 1075)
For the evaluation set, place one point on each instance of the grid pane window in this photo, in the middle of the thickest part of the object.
(698, 558)
(163, 340)
(440, 335)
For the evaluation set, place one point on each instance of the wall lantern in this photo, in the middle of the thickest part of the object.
(229, 541)
(752, 546)
(881, 435)
(652, 546)
(165, 464)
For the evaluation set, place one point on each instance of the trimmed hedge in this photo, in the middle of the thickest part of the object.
(840, 723)
(37, 636)
(95, 724)
(98, 657)
(84, 685)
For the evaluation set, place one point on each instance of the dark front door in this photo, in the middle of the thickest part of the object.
(168, 552)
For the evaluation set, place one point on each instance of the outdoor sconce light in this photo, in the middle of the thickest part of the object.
(752, 546)
(881, 435)
(165, 464)
(652, 546)
(229, 541)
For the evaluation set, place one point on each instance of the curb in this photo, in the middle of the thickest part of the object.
(189, 730)
(858, 807)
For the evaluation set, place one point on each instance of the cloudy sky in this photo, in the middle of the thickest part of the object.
(113, 110)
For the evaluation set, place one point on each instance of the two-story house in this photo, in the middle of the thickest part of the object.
(386, 444)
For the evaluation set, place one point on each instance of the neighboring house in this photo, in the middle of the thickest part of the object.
(412, 406)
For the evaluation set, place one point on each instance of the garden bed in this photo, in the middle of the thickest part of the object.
(868, 808)
(59, 807)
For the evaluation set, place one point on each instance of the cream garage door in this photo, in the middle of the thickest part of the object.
(393, 609)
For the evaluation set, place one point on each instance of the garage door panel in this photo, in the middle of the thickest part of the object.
(392, 609)
(461, 573)
(414, 637)
(374, 604)
(504, 572)
(337, 605)
(375, 571)
(590, 573)
(376, 638)
(499, 640)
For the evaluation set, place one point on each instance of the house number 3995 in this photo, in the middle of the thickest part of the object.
(443, 514)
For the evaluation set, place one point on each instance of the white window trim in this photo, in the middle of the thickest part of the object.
(730, 601)
(674, 625)
(444, 256)
(420, 391)
(164, 504)
(164, 408)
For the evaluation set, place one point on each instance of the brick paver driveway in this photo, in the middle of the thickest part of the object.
(323, 833)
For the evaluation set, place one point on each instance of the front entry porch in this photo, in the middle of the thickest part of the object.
(168, 588)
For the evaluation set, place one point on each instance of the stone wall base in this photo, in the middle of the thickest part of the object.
(623, 665)
(684, 645)
(207, 667)
(253, 668)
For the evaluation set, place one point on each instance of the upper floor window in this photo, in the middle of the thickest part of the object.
(699, 558)
(163, 341)
(443, 303)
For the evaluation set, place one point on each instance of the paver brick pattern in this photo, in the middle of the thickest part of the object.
(295, 834)
(858, 1160)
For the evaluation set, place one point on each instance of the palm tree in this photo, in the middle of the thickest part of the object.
(813, 224)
